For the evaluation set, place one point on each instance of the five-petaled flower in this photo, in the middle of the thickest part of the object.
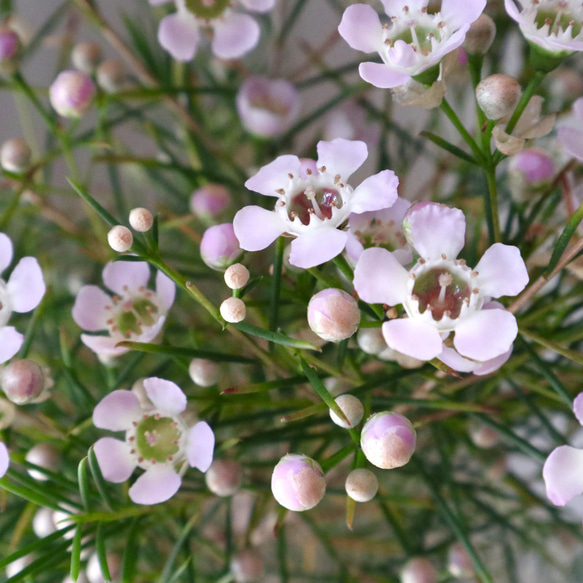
(157, 440)
(314, 202)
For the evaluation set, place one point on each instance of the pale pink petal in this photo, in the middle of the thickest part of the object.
(578, 407)
(4, 460)
(402, 54)
(114, 458)
(274, 176)
(258, 5)
(256, 228)
(26, 286)
(235, 35)
(165, 289)
(117, 411)
(354, 247)
(178, 34)
(563, 474)
(572, 141)
(159, 2)
(166, 396)
(103, 345)
(342, 157)
(455, 360)
(361, 28)
(90, 310)
(375, 193)
(123, 276)
(200, 446)
(459, 12)
(379, 278)
(6, 251)
(578, 108)
(413, 338)
(156, 485)
(493, 364)
(382, 76)
(485, 334)
(316, 247)
(150, 333)
(308, 166)
(512, 10)
(10, 342)
(501, 271)
(393, 7)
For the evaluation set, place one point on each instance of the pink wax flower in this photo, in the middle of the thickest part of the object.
(313, 201)
(267, 107)
(413, 42)
(157, 439)
(4, 460)
(21, 293)
(209, 201)
(219, 247)
(233, 34)
(571, 134)
(133, 313)
(71, 94)
(441, 294)
(530, 171)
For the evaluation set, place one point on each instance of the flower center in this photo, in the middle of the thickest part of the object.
(5, 306)
(158, 438)
(132, 314)
(421, 38)
(558, 18)
(442, 292)
(314, 201)
(207, 9)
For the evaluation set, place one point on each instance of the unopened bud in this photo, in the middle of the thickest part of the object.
(203, 372)
(371, 340)
(22, 381)
(247, 566)
(419, 570)
(71, 94)
(352, 409)
(224, 477)
(459, 563)
(210, 201)
(233, 310)
(530, 171)
(42, 522)
(298, 482)
(120, 239)
(45, 456)
(481, 35)
(498, 95)
(361, 485)
(15, 155)
(111, 76)
(86, 56)
(483, 436)
(141, 220)
(333, 315)
(219, 247)
(93, 570)
(236, 276)
(9, 44)
(388, 440)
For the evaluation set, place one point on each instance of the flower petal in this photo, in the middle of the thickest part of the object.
(6, 251)
(563, 474)
(156, 485)
(117, 410)
(572, 141)
(578, 407)
(200, 446)
(316, 247)
(375, 193)
(413, 338)
(165, 395)
(578, 108)
(4, 460)
(103, 345)
(382, 76)
(159, 2)
(26, 286)
(455, 360)
(90, 309)
(361, 28)
(512, 10)
(501, 271)
(256, 228)
(10, 342)
(258, 5)
(235, 35)
(123, 276)
(178, 34)
(274, 175)
(485, 334)
(115, 461)
(354, 247)
(458, 13)
(343, 157)
(493, 364)
(379, 278)
(165, 289)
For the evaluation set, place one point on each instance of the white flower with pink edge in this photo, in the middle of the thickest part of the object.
(314, 202)
(157, 440)
(133, 312)
(441, 294)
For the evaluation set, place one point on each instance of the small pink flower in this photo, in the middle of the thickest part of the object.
(22, 293)
(72, 93)
(209, 201)
(133, 313)
(233, 34)
(4, 460)
(157, 440)
(441, 294)
(313, 201)
(415, 40)
(571, 133)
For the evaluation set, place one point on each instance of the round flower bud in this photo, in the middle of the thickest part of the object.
(203, 372)
(9, 44)
(480, 36)
(388, 440)
(483, 436)
(15, 155)
(236, 276)
(333, 315)
(233, 310)
(71, 94)
(529, 171)
(419, 570)
(42, 522)
(120, 239)
(93, 570)
(86, 56)
(22, 381)
(7, 413)
(224, 477)
(361, 485)
(371, 340)
(459, 563)
(247, 566)
(298, 482)
(498, 95)
(45, 456)
(111, 76)
(351, 407)
(210, 201)
(141, 220)
(219, 247)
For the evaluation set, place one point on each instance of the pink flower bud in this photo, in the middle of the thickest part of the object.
(351, 407)
(298, 482)
(233, 310)
(141, 219)
(120, 239)
(224, 477)
(419, 570)
(333, 315)
(111, 76)
(45, 456)
(247, 566)
(498, 95)
(483, 436)
(210, 201)
(9, 44)
(236, 276)
(86, 56)
(15, 155)
(22, 381)
(480, 36)
(459, 563)
(203, 372)
(71, 93)
(530, 170)
(361, 485)
(388, 440)
(219, 247)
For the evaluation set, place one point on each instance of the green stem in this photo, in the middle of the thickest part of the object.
(532, 86)
(276, 284)
(455, 120)
(492, 205)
